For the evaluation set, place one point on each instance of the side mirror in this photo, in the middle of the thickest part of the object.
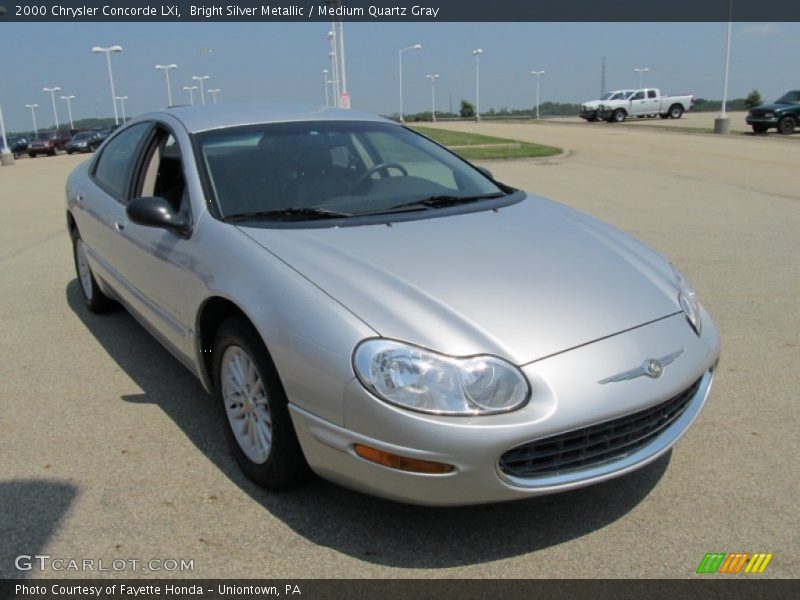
(155, 211)
(485, 171)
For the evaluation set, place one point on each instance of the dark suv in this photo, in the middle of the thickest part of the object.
(48, 142)
(85, 141)
(783, 114)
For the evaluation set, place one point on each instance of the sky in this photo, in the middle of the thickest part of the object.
(283, 62)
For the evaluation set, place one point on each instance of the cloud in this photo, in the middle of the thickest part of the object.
(758, 30)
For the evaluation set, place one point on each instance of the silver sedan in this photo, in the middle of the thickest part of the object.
(366, 305)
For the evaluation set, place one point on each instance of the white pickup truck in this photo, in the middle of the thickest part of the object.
(647, 102)
(589, 108)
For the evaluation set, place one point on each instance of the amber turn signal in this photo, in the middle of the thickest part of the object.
(402, 463)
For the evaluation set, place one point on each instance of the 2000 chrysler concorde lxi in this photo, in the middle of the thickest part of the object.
(365, 303)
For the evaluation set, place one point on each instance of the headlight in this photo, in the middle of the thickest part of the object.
(769, 115)
(426, 381)
(688, 300)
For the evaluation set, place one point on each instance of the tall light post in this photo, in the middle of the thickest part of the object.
(641, 71)
(537, 74)
(334, 67)
(477, 54)
(400, 62)
(325, 83)
(201, 79)
(122, 104)
(33, 108)
(433, 79)
(108, 51)
(167, 69)
(52, 91)
(69, 99)
(190, 89)
(722, 124)
(214, 93)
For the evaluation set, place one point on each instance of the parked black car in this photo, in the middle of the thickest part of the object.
(783, 114)
(19, 146)
(84, 141)
(48, 142)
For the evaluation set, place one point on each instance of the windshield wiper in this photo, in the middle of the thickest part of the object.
(444, 200)
(301, 212)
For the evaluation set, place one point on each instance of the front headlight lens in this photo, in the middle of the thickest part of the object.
(688, 300)
(769, 115)
(426, 381)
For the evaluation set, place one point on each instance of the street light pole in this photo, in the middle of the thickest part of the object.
(641, 72)
(433, 79)
(33, 108)
(108, 51)
(201, 79)
(334, 67)
(214, 93)
(190, 89)
(477, 53)
(69, 109)
(400, 62)
(325, 83)
(122, 103)
(537, 74)
(52, 91)
(722, 124)
(166, 69)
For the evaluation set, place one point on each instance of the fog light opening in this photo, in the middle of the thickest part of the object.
(402, 463)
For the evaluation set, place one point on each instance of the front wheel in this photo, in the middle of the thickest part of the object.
(94, 299)
(618, 116)
(787, 125)
(257, 421)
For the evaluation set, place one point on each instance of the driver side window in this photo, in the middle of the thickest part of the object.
(162, 174)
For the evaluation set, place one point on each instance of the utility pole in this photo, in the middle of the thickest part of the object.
(603, 79)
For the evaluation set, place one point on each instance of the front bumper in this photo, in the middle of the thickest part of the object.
(588, 113)
(768, 121)
(567, 395)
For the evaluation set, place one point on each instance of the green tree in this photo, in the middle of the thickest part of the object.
(753, 99)
(467, 110)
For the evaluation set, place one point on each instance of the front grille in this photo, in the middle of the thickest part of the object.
(757, 113)
(596, 444)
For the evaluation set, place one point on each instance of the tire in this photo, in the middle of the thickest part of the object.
(53, 151)
(787, 125)
(675, 111)
(618, 116)
(93, 298)
(275, 463)
(760, 129)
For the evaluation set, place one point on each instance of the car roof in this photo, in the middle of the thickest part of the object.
(216, 116)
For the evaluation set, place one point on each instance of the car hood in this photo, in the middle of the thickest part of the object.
(527, 281)
(775, 106)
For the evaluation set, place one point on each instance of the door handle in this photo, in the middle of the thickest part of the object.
(119, 224)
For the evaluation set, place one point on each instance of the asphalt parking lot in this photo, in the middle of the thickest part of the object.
(110, 449)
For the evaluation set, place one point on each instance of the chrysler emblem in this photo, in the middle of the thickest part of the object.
(652, 367)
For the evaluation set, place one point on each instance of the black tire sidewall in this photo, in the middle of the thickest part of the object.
(616, 116)
(790, 124)
(99, 302)
(285, 466)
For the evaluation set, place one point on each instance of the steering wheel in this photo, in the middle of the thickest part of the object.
(381, 167)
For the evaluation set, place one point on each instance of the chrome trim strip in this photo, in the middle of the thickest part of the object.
(652, 367)
(641, 457)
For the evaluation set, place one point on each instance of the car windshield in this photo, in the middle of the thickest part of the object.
(86, 135)
(327, 169)
(789, 98)
(46, 135)
(607, 96)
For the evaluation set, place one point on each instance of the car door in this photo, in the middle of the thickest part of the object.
(157, 263)
(653, 103)
(638, 103)
(100, 203)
